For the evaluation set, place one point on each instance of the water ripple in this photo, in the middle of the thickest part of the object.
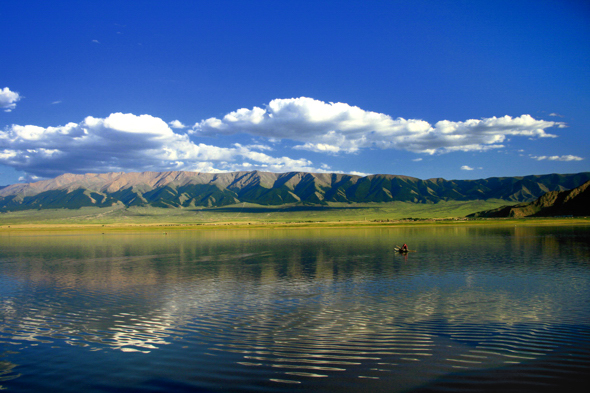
(309, 314)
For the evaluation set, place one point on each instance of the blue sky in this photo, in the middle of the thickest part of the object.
(452, 89)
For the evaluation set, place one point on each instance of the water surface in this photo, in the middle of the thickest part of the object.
(474, 308)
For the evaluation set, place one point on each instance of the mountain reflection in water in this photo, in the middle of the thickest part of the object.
(476, 308)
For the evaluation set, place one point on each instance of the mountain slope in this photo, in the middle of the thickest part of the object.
(574, 202)
(189, 189)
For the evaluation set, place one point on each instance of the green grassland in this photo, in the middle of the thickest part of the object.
(120, 218)
(246, 213)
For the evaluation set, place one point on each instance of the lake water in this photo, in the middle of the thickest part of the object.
(474, 309)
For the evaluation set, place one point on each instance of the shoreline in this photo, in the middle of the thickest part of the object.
(164, 226)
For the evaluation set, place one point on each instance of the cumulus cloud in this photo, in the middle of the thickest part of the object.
(558, 158)
(29, 179)
(362, 174)
(466, 168)
(259, 147)
(177, 124)
(339, 127)
(8, 99)
(126, 142)
(319, 148)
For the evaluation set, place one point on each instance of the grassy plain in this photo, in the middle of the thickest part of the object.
(247, 213)
(118, 218)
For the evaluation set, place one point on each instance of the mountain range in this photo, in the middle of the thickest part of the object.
(574, 202)
(192, 189)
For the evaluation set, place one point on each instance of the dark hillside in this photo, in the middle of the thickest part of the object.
(574, 202)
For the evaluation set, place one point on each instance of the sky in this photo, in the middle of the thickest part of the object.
(451, 89)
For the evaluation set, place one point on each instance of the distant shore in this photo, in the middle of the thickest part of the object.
(164, 227)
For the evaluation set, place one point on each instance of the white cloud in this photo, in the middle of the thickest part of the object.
(362, 174)
(318, 148)
(29, 179)
(466, 168)
(8, 99)
(177, 124)
(258, 147)
(558, 158)
(338, 127)
(126, 142)
(417, 159)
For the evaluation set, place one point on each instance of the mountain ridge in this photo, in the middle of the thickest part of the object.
(177, 189)
(575, 202)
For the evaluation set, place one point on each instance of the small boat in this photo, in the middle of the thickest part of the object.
(401, 251)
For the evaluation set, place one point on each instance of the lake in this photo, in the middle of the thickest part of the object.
(473, 309)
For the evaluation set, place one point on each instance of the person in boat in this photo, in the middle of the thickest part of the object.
(404, 248)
